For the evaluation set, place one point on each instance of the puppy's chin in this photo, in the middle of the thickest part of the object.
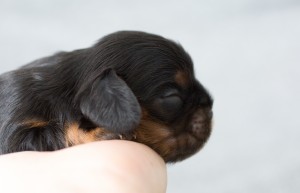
(176, 144)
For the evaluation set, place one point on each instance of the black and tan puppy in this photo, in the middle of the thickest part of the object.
(130, 85)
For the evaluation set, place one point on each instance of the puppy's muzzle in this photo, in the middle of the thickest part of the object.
(200, 123)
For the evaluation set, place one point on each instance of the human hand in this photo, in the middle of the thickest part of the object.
(107, 166)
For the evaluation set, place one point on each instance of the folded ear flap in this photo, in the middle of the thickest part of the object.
(109, 103)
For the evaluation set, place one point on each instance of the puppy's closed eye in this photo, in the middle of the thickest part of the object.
(168, 105)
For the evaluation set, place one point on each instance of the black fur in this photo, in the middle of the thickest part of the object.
(107, 85)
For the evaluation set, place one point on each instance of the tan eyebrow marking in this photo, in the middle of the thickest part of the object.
(181, 78)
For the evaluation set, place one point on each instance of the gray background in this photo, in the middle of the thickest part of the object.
(246, 52)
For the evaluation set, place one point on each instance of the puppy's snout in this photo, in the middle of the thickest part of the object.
(202, 115)
(200, 124)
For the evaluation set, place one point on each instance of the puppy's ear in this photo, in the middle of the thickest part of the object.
(109, 103)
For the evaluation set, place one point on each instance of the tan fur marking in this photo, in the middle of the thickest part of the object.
(181, 78)
(166, 142)
(35, 123)
(156, 135)
(76, 136)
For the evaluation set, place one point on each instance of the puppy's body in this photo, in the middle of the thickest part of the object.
(130, 85)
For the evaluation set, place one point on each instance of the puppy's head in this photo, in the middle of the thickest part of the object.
(176, 110)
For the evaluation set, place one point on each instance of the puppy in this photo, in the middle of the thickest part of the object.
(130, 85)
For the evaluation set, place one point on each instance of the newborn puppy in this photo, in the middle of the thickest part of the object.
(130, 85)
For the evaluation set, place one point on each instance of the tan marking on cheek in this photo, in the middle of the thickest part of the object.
(157, 136)
(181, 78)
(150, 130)
(75, 135)
(170, 145)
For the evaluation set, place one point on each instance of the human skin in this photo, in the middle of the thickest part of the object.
(113, 166)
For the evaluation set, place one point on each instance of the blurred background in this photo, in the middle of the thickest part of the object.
(246, 52)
